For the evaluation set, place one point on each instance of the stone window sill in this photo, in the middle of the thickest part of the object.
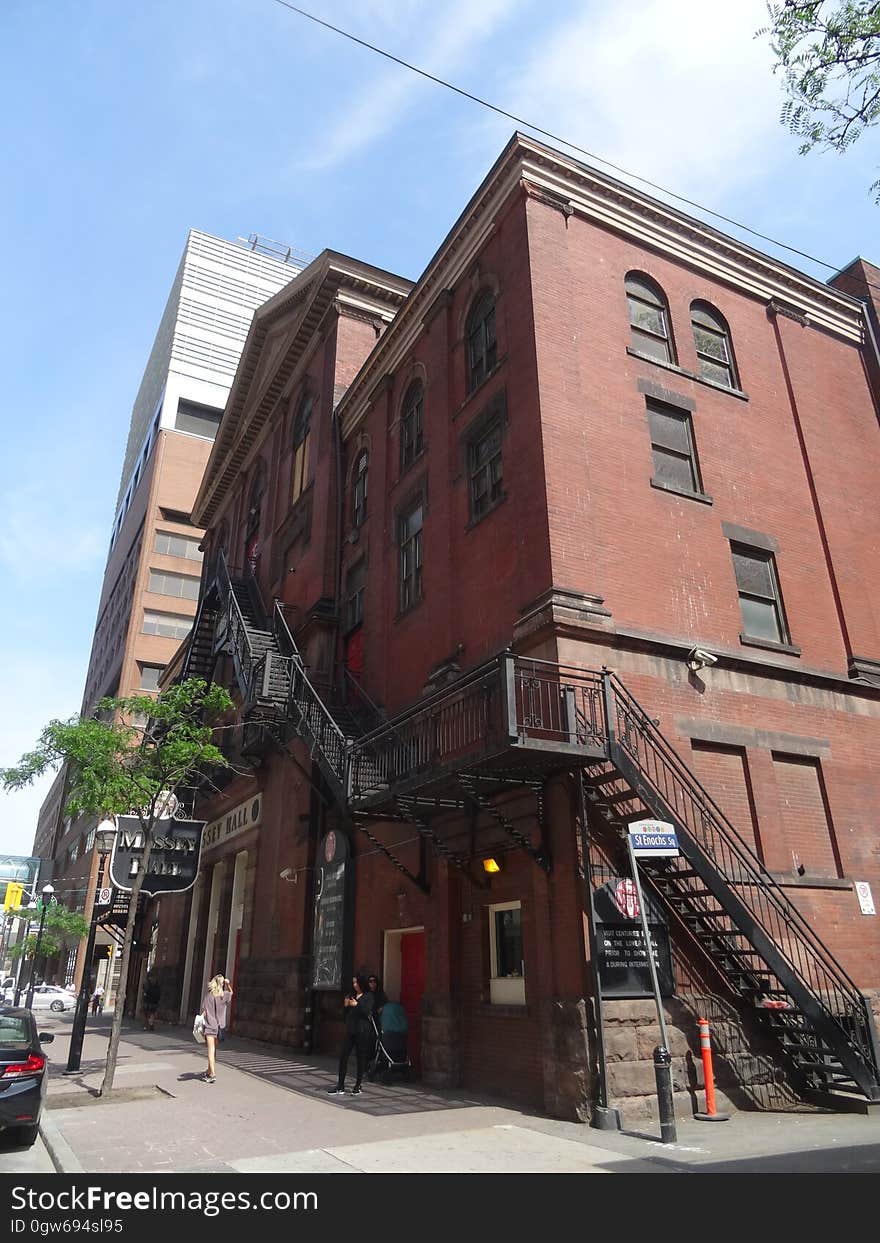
(769, 645)
(702, 497)
(688, 375)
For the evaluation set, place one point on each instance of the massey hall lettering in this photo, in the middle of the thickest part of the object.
(157, 866)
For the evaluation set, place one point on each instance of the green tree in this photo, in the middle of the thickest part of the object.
(829, 54)
(116, 768)
(60, 927)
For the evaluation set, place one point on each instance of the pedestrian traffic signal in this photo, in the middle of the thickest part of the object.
(14, 895)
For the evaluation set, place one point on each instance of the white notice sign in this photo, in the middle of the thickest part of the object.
(865, 897)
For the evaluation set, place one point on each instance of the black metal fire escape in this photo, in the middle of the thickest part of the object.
(505, 727)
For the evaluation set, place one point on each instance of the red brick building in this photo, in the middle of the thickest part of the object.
(595, 435)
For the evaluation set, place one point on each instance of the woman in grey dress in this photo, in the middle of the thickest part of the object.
(215, 1006)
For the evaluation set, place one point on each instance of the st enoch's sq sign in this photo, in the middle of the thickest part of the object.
(174, 858)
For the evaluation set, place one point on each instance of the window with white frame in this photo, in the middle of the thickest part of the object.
(184, 586)
(178, 545)
(169, 625)
(506, 966)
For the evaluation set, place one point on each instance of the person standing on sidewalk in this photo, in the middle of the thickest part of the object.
(152, 997)
(215, 1006)
(358, 1031)
(98, 999)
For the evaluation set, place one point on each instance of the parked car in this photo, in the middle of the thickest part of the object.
(51, 997)
(22, 1072)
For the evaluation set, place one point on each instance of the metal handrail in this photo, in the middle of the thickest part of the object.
(756, 888)
(350, 682)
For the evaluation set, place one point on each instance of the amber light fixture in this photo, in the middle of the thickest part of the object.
(491, 865)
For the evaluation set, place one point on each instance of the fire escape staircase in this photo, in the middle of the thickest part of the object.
(729, 905)
(512, 722)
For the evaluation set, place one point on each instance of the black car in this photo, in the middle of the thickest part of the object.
(23, 1072)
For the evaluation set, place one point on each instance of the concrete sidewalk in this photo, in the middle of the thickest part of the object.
(269, 1112)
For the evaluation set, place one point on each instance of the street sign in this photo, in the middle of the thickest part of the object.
(865, 897)
(653, 839)
(103, 897)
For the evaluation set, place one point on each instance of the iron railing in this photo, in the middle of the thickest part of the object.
(676, 789)
(508, 701)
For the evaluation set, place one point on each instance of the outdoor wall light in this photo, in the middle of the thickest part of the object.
(491, 865)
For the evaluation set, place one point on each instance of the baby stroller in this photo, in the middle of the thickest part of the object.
(390, 1055)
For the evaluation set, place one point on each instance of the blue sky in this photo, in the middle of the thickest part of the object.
(121, 126)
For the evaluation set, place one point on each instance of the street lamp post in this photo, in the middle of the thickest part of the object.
(104, 835)
(46, 894)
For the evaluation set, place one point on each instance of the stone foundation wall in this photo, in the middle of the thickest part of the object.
(441, 1041)
(270, 1000)
(747, 1072)
(566, 1062)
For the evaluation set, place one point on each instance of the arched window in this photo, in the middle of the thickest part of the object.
(712, 339)
(302, 433)
(482, 346)
(411, 424)
(649, 318)
(359, 489)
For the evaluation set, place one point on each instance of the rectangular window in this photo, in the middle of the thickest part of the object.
(150, 677)
(197, 419)
(485, 470)
(168, 625)
(184, 586)
(759, 596)
(178, 546)
(506, 965)
(410, 542)
(672, 446)
(355, 581)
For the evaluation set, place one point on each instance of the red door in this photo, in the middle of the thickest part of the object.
(354, 654)
(412, 986)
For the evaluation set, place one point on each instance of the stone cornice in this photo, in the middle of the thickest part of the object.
(578, 190)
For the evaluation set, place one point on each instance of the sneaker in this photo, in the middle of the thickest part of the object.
(357, 1090)
(210, 1078)
(336, 1091)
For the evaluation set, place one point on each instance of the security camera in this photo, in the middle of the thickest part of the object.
(286, 874)
(699, 658)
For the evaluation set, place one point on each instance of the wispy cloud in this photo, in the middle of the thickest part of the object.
(41, 536)
(36, 690)
(680, 92)
(449, 37)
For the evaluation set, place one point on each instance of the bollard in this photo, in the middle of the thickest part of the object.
(711, 1115)
(663, 1077)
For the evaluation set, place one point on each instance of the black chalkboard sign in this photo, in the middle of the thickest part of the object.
(623, 964)
(330, 939)
(620, 942)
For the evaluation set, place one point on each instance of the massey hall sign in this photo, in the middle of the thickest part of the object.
(174, 855)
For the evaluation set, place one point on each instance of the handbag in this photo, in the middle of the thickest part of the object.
(199, 1028)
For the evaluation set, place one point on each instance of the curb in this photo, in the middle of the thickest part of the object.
(63, 1157)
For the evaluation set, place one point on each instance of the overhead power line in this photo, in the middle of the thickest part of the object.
(484, 103)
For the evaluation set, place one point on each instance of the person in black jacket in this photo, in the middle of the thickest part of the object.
(358, 1031)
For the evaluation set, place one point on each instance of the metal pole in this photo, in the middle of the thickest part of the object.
(30, 992)
(604, 1118)
(662, 1057)
(78, 1032)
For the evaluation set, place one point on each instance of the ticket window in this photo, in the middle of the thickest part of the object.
(507, 985)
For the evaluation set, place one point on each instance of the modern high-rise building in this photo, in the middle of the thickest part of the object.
(151, 581)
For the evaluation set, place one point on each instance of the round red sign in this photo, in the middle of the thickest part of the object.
(626, 898)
